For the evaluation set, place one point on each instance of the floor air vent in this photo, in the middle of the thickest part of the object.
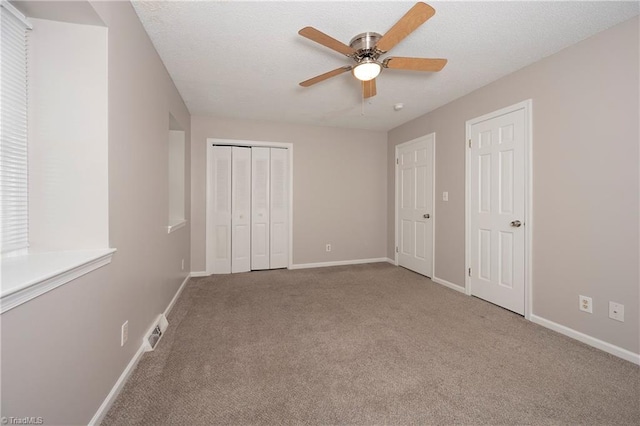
(156, 332)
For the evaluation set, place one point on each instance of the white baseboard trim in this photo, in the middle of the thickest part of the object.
(115, 390)
(198, 274)
(117, 387)
(448, 284)
(391, 261)
(175, 298)
(589, 340)
(339, 263)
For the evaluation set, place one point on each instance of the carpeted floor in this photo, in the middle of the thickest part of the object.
(363, 345)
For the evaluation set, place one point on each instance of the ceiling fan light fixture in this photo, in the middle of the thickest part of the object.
(366, 48)
(367, 70)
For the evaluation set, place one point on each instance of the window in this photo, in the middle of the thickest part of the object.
(53, 171)
(14, 210)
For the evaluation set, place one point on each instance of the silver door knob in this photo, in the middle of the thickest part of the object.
(516, 224)
(426, 216)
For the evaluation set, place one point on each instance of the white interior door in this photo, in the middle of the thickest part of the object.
(497, 209)
(241, 209)
(279, 249)
(218, 239)
(260, 207)
(415, 166)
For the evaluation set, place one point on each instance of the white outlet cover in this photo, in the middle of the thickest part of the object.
(445, 196)
(616, 311)
(586, 304)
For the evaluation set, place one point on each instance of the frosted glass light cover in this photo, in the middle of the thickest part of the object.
(367, 71)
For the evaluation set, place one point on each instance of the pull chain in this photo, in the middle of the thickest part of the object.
(362, 91)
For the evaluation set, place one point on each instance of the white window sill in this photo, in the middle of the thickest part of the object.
(29, 276)
(175, 224)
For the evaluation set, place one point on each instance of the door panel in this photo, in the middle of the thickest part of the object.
(241, 210)
(505, 267)
(279, 244)
(219, 207)
(421, 240)
(406, 242)
(506, 182)
(415, 205)
(421, 192)
(260, 207)
(485, 254)
(496, 200)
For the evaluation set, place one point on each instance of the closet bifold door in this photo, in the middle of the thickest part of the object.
(279, 244)
(241, 209)
(260, 223)
(218, 236)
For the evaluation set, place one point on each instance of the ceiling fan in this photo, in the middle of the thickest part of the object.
(366, 48)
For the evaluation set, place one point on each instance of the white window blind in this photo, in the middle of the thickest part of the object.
(14, 208)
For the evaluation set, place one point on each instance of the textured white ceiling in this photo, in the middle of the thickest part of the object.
(245, 59)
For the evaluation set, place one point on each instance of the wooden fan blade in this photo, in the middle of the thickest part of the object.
(326, 75)
(415, 64)
(325, 40)
(369, 88)
(415, 17)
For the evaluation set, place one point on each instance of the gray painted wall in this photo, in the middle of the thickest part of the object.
(339, 190)
(61, 352)
(585, 180)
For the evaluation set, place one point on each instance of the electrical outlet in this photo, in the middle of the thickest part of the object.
(124, 333)
(328, 248)
(616, 311)
(182, 264)
(586, 304)
(445, 196)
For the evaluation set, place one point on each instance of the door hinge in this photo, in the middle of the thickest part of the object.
(396, 249)
(469, 271)
(397, 161)
(469, 143)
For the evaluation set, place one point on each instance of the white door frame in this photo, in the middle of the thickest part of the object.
(528, 199)
(234, 142)
(433, 200)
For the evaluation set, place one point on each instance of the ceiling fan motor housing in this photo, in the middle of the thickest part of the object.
(365, 46)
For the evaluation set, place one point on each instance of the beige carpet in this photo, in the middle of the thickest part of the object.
(366, 344)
